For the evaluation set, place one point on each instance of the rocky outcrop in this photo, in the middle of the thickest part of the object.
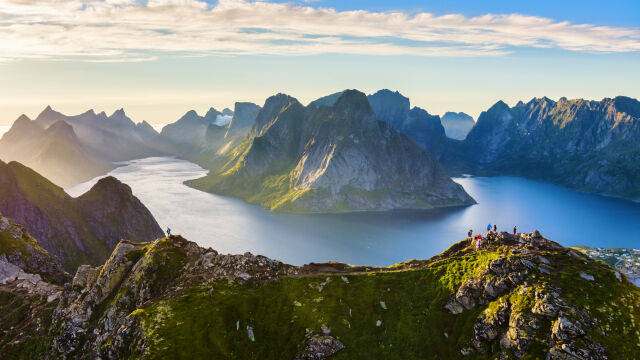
(172, 297)
(19, 249)
(320, 347)
(515, 324)
(136, 274)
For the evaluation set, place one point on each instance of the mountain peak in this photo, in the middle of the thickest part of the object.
(23, 118)
(47, 112)
(499, 106)
(211, 115)
(190, 113)
(627, 105)
(110, 186)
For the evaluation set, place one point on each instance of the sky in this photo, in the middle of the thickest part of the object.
(158, 59)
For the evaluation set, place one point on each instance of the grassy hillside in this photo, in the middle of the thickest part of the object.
(523, 297)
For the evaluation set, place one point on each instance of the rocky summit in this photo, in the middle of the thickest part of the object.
(330, 159)
(514, 297)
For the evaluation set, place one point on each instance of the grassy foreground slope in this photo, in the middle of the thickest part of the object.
(519, 297)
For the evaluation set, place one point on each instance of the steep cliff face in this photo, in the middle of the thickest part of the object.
(416, 123)
(325, 159)
(516, 297)
(588, 145)
(20, 249)
(74, 231)
(244, 116)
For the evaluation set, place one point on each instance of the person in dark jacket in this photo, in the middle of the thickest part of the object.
(515, 230)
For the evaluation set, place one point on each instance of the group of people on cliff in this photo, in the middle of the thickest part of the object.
(479, 240)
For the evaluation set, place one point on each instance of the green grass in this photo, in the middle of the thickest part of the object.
(25, 324)
(195, 324)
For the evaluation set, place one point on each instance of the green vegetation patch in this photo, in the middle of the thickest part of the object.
(391, 315)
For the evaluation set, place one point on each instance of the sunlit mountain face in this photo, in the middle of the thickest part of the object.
(312, 180)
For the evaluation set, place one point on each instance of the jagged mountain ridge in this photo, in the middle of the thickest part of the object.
(115, 137)
(325, 159)
(73, 149)
(517, 297)
(56, 151)
(76, 231)
(587, 145)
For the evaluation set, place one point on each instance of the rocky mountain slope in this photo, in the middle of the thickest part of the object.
(424, 128)
(330, 159)
(587, 145)
(457, 125)
(518, 297)
(75, 231)
(21, 250)
(73, 149)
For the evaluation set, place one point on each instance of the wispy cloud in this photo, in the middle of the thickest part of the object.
(128, 30)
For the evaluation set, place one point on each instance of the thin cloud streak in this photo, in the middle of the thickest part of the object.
(122, 30)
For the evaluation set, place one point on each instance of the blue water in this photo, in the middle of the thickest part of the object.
(232, 226)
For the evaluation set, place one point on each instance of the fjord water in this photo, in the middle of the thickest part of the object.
(232, 226)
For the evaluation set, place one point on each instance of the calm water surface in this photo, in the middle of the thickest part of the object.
(232, 226)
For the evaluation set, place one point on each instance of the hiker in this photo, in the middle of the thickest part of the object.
(470, 233)
(477, 244)
(168, 231)
(489, 229)
(514, 231)
(495, 228)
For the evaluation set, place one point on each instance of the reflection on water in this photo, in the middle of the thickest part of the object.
(232, 226)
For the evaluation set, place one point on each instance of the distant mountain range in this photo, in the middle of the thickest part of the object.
(73, 149)
(75, 231)
(586, 145)
(330, 159)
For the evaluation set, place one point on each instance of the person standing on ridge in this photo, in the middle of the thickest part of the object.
(489, 229)
(168, 231)
(514, 231)
(470, 233)
(495, 228)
